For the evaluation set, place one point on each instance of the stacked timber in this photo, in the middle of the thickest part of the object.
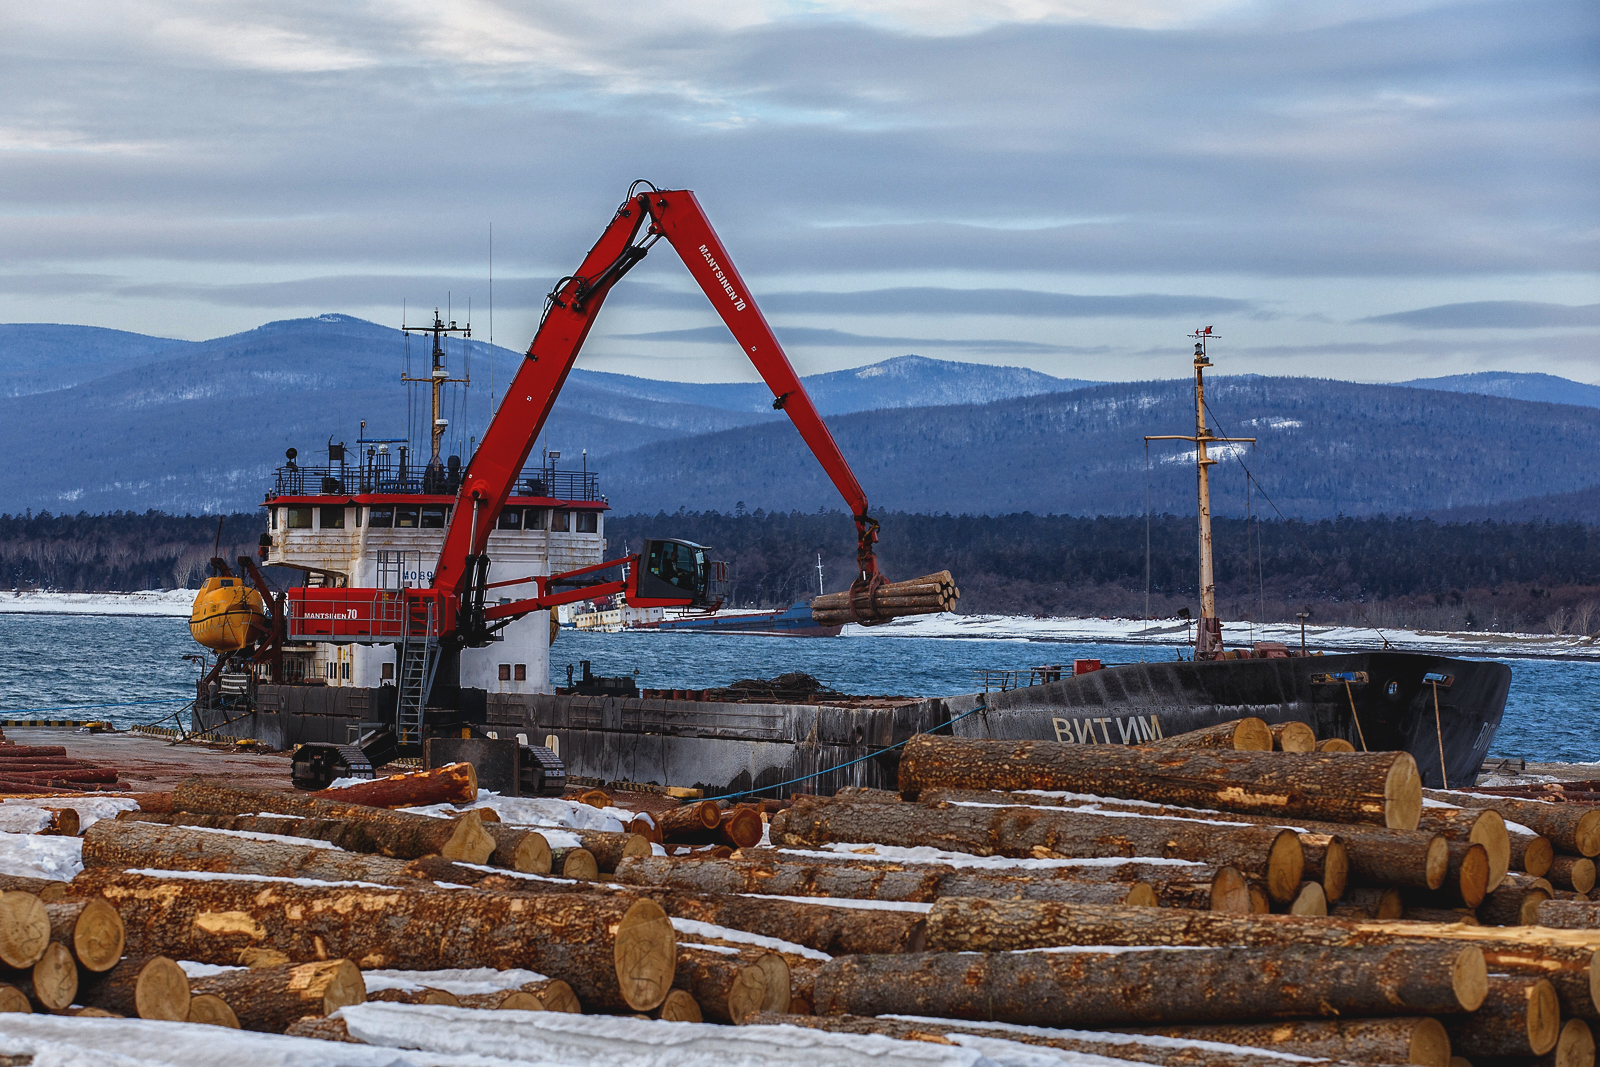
(44, 769)
(928, 595)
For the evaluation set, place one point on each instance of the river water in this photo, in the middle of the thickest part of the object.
(61, 666)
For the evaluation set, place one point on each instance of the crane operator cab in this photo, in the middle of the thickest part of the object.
(673, 572)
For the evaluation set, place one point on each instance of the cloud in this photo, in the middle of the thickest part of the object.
(1494, 315)
(821, 338)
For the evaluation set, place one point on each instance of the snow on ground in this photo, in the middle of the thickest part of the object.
(463, 983)
(536, 811)
(90, 809)
(1168, 632)
(33, 856)
(176, 602)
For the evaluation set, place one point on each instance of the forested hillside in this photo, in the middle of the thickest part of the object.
(122, 551)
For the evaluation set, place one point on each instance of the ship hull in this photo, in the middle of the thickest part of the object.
(1387, 704)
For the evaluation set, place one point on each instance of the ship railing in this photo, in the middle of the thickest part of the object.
(296, 480)
(998, 679)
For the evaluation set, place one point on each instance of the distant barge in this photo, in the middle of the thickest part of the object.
(796, 621)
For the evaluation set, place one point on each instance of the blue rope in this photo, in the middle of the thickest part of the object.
(983, 705)
(123, 704)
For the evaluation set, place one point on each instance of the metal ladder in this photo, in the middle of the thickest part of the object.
(418, 661)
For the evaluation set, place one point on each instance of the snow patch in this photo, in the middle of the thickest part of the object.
(535, 812)
(205, 970)
(1111, 1038)
(846, 902)
(696, 928)
(90, 809)
(215, 876)
(33, 856)
(928, 854)
(462, 982)
(256, 835)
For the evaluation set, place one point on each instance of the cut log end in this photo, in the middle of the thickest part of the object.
(646, 955)
(24, 929)
(557, 995)
(532, 855)
(1293, 737)
(1575, 1046)
(1335, 869)
(1544, 1017)
(1474, 876)
(1438, 861)
(1588, 834)
(1469, 977)
(1286, 863)
(98, 936)
(1311, 900)
(517, 1000)
(1142, 895)
(1335, 744)
(160, 990)
(1538, 857)
(14, 1000)
(1402, 795)
(345, 986)
(1430, 1044)
(470, 843)
(580, 863)
(55, 978)
(1230, 892)
(211, 1010)
(762, 986)
(680, 1007)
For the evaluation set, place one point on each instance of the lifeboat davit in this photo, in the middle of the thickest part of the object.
(225, 613)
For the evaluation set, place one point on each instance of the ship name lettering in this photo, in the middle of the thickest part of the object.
(1130, 731)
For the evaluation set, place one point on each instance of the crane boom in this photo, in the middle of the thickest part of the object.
(573, 306)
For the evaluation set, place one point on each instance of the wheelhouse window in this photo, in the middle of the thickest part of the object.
(405, 518)
(433, 516)
(588, 521)
(510, 519)
(559, 520)
(381, 515)
(297, 518)
(533, 519)
(333, 518)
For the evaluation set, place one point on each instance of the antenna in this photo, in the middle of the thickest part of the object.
(819, 573)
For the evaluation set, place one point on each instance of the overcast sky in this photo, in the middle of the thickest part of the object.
(1369, 190)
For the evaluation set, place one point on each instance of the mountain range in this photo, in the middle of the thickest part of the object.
(95, 420)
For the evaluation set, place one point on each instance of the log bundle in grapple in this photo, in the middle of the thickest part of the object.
(1194, 905)
(928, 595)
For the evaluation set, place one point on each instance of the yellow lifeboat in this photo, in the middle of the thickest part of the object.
(224, 614)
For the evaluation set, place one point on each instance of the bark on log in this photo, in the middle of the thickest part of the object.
(24, 751)
(504, 1000)
(1479, 826)
(1089, 989)
(697, 817)
(1531, 853)
(268, 999)
(838, 931)
(577, 863)
(1420, 1040)
(1150, 870)
(1227, 890)
(730, 985)
(616, 950)
(1293, 737)
(1465, 883)
(960, 925)
(52, 982)
(46, 889)
(555, 995)
(1576, 873)
(1521, 1016)
(1112, 1046)
(323, 1029)
(14, 1000)
(389, 833)
(1571, 828)
(1569, 914)
(24, 928)
(115, 844)
(420, 996)
(90, 928)
(454, 784)
(1378, 787)
(524, 851)
(150, 987)
(610, 849)
(1241, 735)
(208, 1010)
(1513, 904)
(1272, 854)
(1369, 903)
(1464, 916)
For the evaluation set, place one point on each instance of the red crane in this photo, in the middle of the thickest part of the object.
(664, 573)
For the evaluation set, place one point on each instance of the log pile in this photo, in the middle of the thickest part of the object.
(928, 595)
(45, 769)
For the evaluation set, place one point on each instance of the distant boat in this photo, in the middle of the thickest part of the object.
(795, 622)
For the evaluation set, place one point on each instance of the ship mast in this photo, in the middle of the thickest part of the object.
(1208, 635)
(433, 480)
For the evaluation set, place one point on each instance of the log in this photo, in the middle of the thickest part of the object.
(524, 851)
(679, 1007)
(1516, 903)
(1226, 890)
(698, 817)
(504, 1000)
(1157, 986)
(1571, 828)
(159, 802)
(10, 752)
(1241, 735)
(1521, 1016)
(388, 833)
(1479, 826)
(1310, 901)
(24, 928)
(150, 987)
(577, 863)
(115, 844)
(1568, 914)
(837, 931)
(1293, 737)
(52, 982)
(1571, 872)
(610, 849)
(1465, 884)
(1369, 903)
(323, 1029)
(1463, 916)
(617, 950)
(65, 822)
(453, 784)
(1420, 1040)
(14, 1000)
(727, 986)
(209, 1010)
(555, 995)
(1377, 787)
(1272, 854)
(741, 827)
(962, 924)
(1531, 853)
(645, 826)
(417, 996)
(46, 889)
(268, 999)
(1327, 862)
(1335, 744)
(90, 928)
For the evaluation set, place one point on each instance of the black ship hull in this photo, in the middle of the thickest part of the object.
(1377, 700)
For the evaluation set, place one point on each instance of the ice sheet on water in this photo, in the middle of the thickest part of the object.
(33, 856)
